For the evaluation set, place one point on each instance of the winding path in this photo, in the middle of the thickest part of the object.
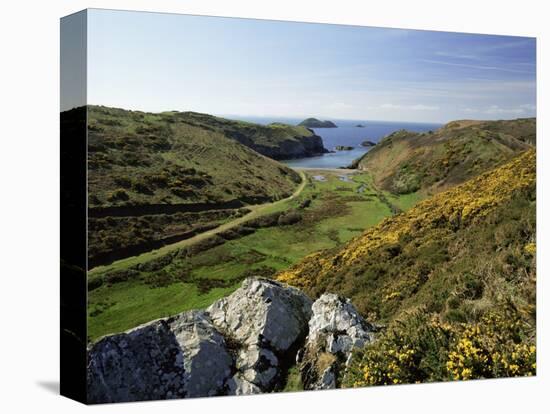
(256, 211)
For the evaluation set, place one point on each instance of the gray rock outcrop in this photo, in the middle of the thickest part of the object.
(235, 347)
(335, 329)
(237, 385)
(242, 344)
(265, 319)
(182, 356)
(263, 312)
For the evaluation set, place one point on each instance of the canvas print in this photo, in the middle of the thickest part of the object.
(279, 206)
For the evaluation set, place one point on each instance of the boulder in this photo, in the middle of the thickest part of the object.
(241, 344)
(237, 385)
(335, 329)
(266, 322)
(263, 313)
(259, 366)
(182, 356)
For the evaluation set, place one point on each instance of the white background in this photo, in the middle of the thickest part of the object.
(29, 216)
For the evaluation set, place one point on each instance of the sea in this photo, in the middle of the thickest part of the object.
(347, 134)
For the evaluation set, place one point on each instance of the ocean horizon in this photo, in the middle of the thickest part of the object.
(347, 133)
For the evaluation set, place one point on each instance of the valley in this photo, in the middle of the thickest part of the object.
(430, 235)
(332, 210)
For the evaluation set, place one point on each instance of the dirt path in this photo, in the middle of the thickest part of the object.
(256, 211)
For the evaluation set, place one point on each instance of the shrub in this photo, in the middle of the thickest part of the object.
(183, 192)
(118, 195)
(123, 182)
(289, 218)
(161, 278)
(94, 283)
(268, 220)
(305, 204)
(141, 188)
(118, 276)
(422, 348)
(236, 232)
(410, 351)
(499, 346)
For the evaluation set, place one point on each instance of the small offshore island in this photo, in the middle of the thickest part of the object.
(316, 123)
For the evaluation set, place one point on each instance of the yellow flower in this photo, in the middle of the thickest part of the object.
(531, 248)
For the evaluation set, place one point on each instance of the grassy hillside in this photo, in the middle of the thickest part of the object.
(143, 158)
(406, 162)
(453, 279)
(158, 178)
(276, 140)
(326, 214)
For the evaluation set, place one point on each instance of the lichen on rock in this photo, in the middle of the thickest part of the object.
(182, 356)
(335, 329)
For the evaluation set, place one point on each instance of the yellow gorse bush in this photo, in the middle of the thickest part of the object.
(459, 206)
(467, 358)
(531, 248)
(396, 371)
(500, 345)
(488, 350)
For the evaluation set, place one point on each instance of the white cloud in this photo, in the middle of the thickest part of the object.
(457, 55)
(528, 107)
(480, 67)
(390, 106)
(417, 107)
(421, 107)
(340, 105)
(495, 109)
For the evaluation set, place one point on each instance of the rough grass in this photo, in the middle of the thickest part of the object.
(336, 213)
(293, 380)
(407, 162)
(138, 158)
(465, 260)
(129, 304)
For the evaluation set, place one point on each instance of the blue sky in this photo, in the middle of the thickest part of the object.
(157, 62)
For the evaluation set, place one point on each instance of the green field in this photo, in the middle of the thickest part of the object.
(338, 210)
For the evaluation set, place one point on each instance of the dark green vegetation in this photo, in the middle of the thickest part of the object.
(450, 280)
(326, 214)
(315, 123)
(453, 279)
(277, 140)
(406, 162)
(158, 178)
(111, 238)
(138, 158)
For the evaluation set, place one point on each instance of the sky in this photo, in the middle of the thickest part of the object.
(226, 66)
